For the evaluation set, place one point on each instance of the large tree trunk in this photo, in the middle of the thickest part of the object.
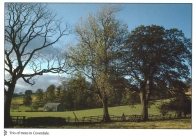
(144, 100)
(106, 117)
(144, 104)
(179, 114)
(7, 104)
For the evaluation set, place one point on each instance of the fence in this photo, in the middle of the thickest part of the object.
(18, 120)
(21, 120)
(133, 118)
(92, 118)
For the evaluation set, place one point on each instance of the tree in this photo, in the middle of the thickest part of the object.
(154, 55)
(20, 93)
(58, 93)
(28, 92)
(27, 100)
(118, 84)
(130, 97)
(78, 87)
(164, 108)
(51, 93)
(63, 91)
(181, 103)
(74, 92)
(95, 55)
(34, 106)
(30, 29)
(39, 94)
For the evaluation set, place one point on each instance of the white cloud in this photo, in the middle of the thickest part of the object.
(40, 82)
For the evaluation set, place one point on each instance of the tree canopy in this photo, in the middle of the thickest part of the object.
(96, 54)
(154, 55)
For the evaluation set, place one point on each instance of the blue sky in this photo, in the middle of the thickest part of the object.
(166, 15)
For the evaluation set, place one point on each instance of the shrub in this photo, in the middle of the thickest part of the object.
(45, 121)
(15, 106)
(34, 106)
(27, 100)
(180, 104)
(164, 108)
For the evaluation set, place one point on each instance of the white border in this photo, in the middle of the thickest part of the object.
(92, 132)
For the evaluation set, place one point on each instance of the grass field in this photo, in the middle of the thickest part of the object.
(173, 124)
(117, 111)
(177, 123)
(166, 124)
(19, 99)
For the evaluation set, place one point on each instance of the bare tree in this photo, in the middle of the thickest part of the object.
(30, 31)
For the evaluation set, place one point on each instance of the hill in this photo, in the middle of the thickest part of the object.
(19, 99)
(117, 111)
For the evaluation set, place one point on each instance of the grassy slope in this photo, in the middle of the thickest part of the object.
(166, 124)
(19, 99)
(90, 112)
(176, 123)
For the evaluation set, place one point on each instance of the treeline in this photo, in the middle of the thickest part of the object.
(77, 93)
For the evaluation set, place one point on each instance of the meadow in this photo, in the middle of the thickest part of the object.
(117, 111)
(166, 124)
(19, 99)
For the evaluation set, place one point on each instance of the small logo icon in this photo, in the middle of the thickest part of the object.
(5, 133)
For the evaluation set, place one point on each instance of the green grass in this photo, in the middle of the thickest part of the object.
(117, 111)
(166, 124)
(19, 99)
(176, 123)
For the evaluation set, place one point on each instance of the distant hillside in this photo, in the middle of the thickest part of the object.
(19, 99)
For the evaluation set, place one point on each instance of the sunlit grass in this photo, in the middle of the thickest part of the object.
(117, 111)
(19, 99)
(166, 124)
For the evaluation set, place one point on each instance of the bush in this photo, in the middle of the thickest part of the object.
(34, 106)
(164, 108)
(27, 100)
(45, 121)
(15, 107)
(181, 104)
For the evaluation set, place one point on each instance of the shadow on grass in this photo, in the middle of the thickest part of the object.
(162, 124)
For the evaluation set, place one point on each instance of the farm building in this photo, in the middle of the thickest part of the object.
(53, 107)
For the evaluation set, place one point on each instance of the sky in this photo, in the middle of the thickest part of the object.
(133, 14)
(166, 15)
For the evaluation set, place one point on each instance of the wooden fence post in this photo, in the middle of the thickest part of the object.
(24, 120)
(75, 117)
(17, 120)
